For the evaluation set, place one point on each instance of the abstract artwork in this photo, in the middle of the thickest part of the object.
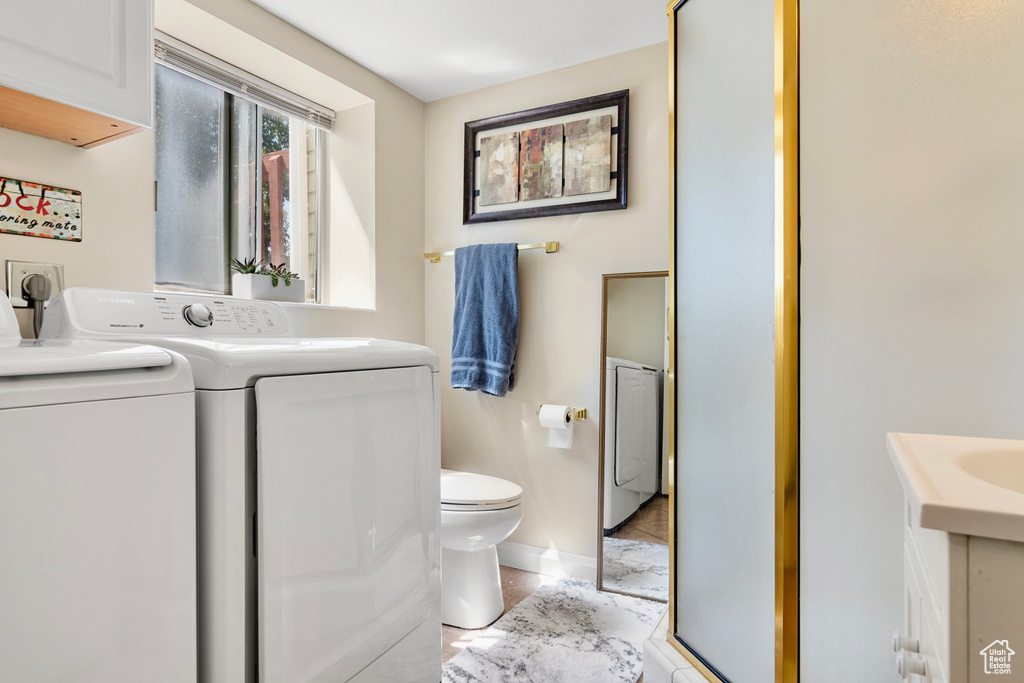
(588, 155)
(499, 166)
(540, 163)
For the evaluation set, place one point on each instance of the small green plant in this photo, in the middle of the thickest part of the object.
(276, 273)
(245, 267)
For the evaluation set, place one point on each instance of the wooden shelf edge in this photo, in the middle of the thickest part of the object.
(45, 118)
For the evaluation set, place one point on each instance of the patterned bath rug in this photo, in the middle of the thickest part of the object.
(636, 567)
(565, 632)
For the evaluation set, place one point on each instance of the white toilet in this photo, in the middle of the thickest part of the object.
(477, 513)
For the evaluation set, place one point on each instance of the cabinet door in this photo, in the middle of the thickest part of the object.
(912, 600)
(935, 576)
(91, 54)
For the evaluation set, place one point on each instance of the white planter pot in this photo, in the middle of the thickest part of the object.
(252, 286)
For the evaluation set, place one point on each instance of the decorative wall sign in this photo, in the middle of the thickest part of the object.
(39, 210)
(572, 159)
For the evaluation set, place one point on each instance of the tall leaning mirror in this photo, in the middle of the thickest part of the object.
(633, 536)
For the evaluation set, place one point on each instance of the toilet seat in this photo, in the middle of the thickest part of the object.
(466, 491)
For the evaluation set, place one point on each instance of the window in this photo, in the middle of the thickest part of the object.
(238, 169)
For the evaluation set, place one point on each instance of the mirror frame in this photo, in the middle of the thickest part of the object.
(669, 425)
(787, 342)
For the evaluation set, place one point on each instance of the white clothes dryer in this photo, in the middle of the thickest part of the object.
(97, 511)
(318, 482)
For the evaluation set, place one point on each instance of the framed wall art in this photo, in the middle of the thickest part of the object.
(549, 161)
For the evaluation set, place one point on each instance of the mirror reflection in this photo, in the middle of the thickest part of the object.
(633, 496)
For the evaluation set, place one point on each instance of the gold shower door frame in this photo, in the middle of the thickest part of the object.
(787, 353)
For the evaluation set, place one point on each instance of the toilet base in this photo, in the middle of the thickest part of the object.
(470, 587)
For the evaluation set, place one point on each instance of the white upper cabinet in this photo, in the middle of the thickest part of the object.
(93, 56)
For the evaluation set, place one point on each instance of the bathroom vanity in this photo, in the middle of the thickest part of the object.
(963, 558)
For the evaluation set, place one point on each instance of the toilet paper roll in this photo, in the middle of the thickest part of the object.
(558, 420)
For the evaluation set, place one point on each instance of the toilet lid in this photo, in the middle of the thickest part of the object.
(469, 491)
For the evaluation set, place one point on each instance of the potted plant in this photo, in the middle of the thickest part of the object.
(254, 279)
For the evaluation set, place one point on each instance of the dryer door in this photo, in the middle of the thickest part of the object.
(347, 508)
(636, 424)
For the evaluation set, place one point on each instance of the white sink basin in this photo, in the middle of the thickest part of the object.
(1002, 467)
(962, 485)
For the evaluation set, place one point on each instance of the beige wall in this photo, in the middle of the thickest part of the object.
(560, 294)
(636, 320)
(116, 181)
(912, 169)
(117, 184)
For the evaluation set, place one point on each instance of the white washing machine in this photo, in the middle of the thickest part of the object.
(318, 480)
(97, 511)
(632, 444)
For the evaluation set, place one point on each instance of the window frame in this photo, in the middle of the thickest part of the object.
(236, 83)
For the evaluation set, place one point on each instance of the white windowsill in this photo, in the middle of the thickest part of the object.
(310, 304)
(291, 304)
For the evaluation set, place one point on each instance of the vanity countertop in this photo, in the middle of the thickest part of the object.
(962, 485)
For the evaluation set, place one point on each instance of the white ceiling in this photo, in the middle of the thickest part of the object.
(437, 48)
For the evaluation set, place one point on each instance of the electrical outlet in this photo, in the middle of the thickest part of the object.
(19, 270)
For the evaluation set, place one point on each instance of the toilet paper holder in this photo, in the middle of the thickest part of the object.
(577, 413)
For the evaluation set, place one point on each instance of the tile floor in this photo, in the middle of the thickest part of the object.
(649, 524)
(516, 585)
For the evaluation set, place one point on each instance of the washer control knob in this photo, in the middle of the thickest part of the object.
(198, 315)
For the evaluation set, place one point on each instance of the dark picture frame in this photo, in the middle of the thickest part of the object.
(620, 142)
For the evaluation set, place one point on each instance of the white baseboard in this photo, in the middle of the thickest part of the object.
(547, 561)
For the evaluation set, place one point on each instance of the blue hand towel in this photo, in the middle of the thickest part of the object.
(485, 334)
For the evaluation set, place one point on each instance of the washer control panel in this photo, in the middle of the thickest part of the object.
(168, 314)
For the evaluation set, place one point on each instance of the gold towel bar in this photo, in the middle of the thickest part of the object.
(548, 247)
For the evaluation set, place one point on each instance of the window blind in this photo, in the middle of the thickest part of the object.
(207, 68)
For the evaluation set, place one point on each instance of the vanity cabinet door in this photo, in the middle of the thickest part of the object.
(91, 55)
(935, 600)
(919, 621)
